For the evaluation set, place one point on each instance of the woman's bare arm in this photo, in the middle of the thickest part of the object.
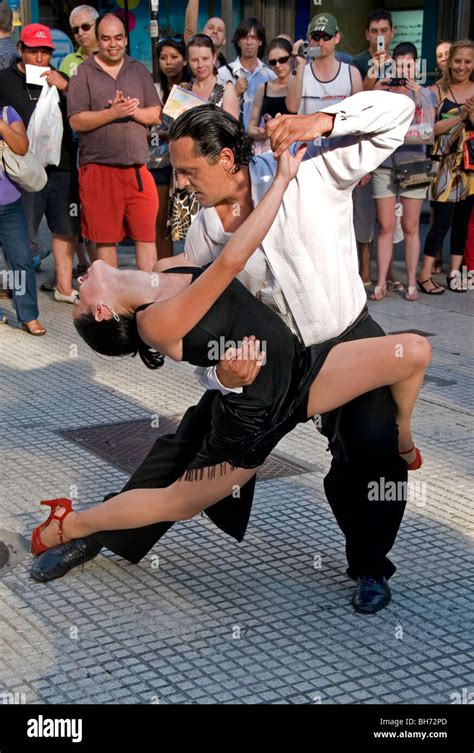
(164, 324)
(15, 136)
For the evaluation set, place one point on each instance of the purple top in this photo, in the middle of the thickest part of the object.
(9, 191)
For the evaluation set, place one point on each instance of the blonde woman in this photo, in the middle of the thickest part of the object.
(452, 190)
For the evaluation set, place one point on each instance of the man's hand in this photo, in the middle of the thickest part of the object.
(240, 367)
(123, 107)
(54, 78)
(286, 129)
(241, 85)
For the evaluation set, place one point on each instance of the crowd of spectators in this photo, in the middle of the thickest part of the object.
(114, 180)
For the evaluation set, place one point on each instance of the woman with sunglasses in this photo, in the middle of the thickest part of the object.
(270, 97)
(175, 313)
(173, 69)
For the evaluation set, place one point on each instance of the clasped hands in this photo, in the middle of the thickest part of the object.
(123, 107)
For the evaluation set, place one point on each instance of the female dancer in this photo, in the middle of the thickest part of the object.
(183, 313)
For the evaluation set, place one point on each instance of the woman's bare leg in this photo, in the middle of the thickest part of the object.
(141, 507)
(352, 368)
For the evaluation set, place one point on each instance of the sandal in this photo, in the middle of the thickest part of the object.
(34, 328)
(436, 290)
(454, 277)
(417, 462)
(411, 294)
(37, 546)
(395, 285)
(380, 291)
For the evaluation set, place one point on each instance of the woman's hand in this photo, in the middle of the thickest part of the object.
(413, 86)
(288, 163)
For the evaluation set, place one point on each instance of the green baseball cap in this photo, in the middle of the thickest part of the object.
(325, 23)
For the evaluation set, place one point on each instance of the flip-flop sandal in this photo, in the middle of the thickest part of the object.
(395, 285)
(380, 291)
(411, 294)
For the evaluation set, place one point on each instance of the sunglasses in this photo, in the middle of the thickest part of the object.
(174, 38)
(84, 27)
(325, 37)
(279, 61)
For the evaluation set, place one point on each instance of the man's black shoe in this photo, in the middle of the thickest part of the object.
(57, 561)
(371, 594)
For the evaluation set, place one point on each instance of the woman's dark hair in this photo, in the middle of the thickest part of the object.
(201, 40)
(405, 48)
(244, 28)
(213, 129)
(279, 43)
(117, 338)
(177, 42)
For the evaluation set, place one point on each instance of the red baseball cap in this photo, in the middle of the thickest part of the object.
(36, 35)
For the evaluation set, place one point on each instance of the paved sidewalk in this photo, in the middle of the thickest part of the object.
(203, 619)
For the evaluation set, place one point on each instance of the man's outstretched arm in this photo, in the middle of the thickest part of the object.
(367, 128)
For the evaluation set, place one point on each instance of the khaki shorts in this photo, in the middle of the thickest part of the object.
(384, 186)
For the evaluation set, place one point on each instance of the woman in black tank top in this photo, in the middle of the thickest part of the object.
(270, 96)
(185, 313)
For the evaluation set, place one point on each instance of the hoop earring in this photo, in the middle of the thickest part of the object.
(114, 314)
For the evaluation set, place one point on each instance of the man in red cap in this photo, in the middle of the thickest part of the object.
(57, 199)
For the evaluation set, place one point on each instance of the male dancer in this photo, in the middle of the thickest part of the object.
(306, 269)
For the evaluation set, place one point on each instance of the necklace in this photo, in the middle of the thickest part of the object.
(32, 99)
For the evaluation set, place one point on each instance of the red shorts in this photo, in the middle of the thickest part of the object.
(117, 202)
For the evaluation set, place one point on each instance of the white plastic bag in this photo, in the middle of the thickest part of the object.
(45, 129)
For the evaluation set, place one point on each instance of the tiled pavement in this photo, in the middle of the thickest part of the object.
(203, 619)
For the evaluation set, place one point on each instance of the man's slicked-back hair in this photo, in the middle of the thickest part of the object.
(212, 129)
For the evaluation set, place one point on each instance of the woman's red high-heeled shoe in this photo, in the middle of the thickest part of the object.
(417, 462)
(37, 547)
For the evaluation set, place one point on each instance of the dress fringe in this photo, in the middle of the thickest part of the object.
(197, 474)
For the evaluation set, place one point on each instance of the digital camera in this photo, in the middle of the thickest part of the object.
(305, 50)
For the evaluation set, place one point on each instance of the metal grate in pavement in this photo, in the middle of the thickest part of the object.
(126, 444)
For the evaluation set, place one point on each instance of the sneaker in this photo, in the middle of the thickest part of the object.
(3, 318)
(65, 298)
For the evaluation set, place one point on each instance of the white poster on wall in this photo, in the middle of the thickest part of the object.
(408, 27)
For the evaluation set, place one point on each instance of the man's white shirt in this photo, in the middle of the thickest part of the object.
(306, 268)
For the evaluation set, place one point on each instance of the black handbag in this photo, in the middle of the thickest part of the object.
(414, 173)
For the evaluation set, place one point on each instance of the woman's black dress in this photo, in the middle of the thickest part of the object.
(245, 428)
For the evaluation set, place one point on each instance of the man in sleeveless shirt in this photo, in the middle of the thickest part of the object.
(325, 80)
